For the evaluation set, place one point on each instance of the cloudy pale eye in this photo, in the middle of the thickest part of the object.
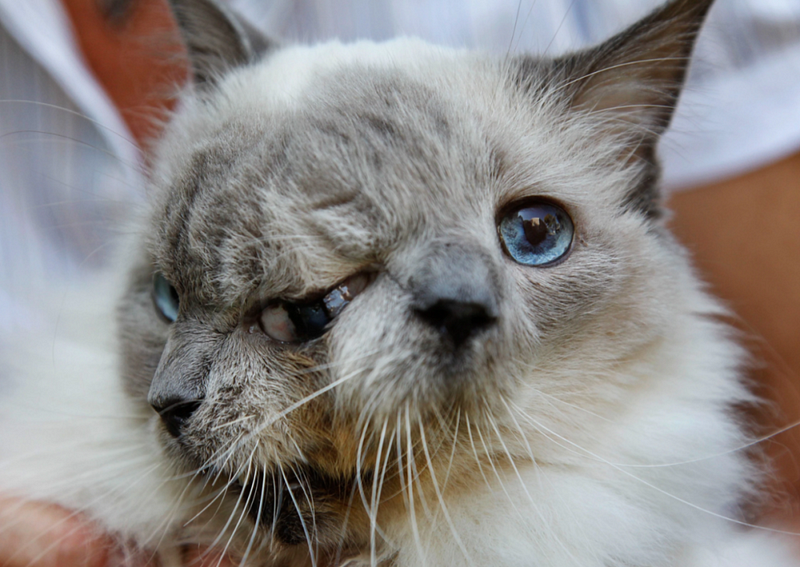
(289, 322)
(165, 298)
(536, 234)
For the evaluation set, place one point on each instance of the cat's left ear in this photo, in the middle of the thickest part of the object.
(636, 76)
(216, 40)
(628, 87)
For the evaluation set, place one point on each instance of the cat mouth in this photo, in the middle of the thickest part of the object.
(299, 504)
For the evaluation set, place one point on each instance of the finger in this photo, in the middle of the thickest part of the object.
(40, 535)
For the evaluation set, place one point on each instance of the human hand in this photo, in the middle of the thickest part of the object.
(34, 534)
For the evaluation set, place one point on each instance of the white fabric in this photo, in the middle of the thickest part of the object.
(68, 170)
(42, 29)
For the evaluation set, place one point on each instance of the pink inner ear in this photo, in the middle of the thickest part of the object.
(634, 78)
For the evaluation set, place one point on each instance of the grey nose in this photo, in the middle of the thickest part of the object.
(177, 388)
(455, 291)
(457, 320)
(175, 412)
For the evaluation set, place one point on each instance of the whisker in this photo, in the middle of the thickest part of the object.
(410, 486)
(524, 486)
(444, 427)
(564, 86)
(246, 506)
(524, 24)
(62, 137)
(225, 528)
(86, 117)
(514, 29)
(233, 422)
(257, 523)
(440, 497)
(300, 515)
(656, 488)
(220, 496)
(345, 522)
(373, 509)
(300, 403)
(475, 451)
(558, 29)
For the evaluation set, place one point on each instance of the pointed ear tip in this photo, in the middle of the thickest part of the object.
(676, 23)
(216, 39)
(694, 10)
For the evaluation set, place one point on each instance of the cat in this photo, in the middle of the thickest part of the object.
(395, 304)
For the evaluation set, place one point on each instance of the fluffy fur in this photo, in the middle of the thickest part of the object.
(590, 424)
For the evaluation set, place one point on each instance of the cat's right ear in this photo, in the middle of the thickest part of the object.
(216, 40)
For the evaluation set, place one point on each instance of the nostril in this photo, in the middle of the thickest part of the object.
(457, 320)
(175, 412)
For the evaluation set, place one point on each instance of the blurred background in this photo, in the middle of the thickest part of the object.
(84, 85)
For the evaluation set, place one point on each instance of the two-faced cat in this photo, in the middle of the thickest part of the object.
(395, 304)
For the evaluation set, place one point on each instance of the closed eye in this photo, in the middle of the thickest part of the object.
(290, 322)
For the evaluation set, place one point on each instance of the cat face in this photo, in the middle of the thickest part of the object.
(372, 250)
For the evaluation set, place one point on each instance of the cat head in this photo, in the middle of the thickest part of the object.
(373, 249)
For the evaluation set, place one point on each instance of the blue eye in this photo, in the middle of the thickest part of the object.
(165, 298)
(536, 234)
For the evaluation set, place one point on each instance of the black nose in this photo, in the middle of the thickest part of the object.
(175, 412)
(455, 289)
(457, 320)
